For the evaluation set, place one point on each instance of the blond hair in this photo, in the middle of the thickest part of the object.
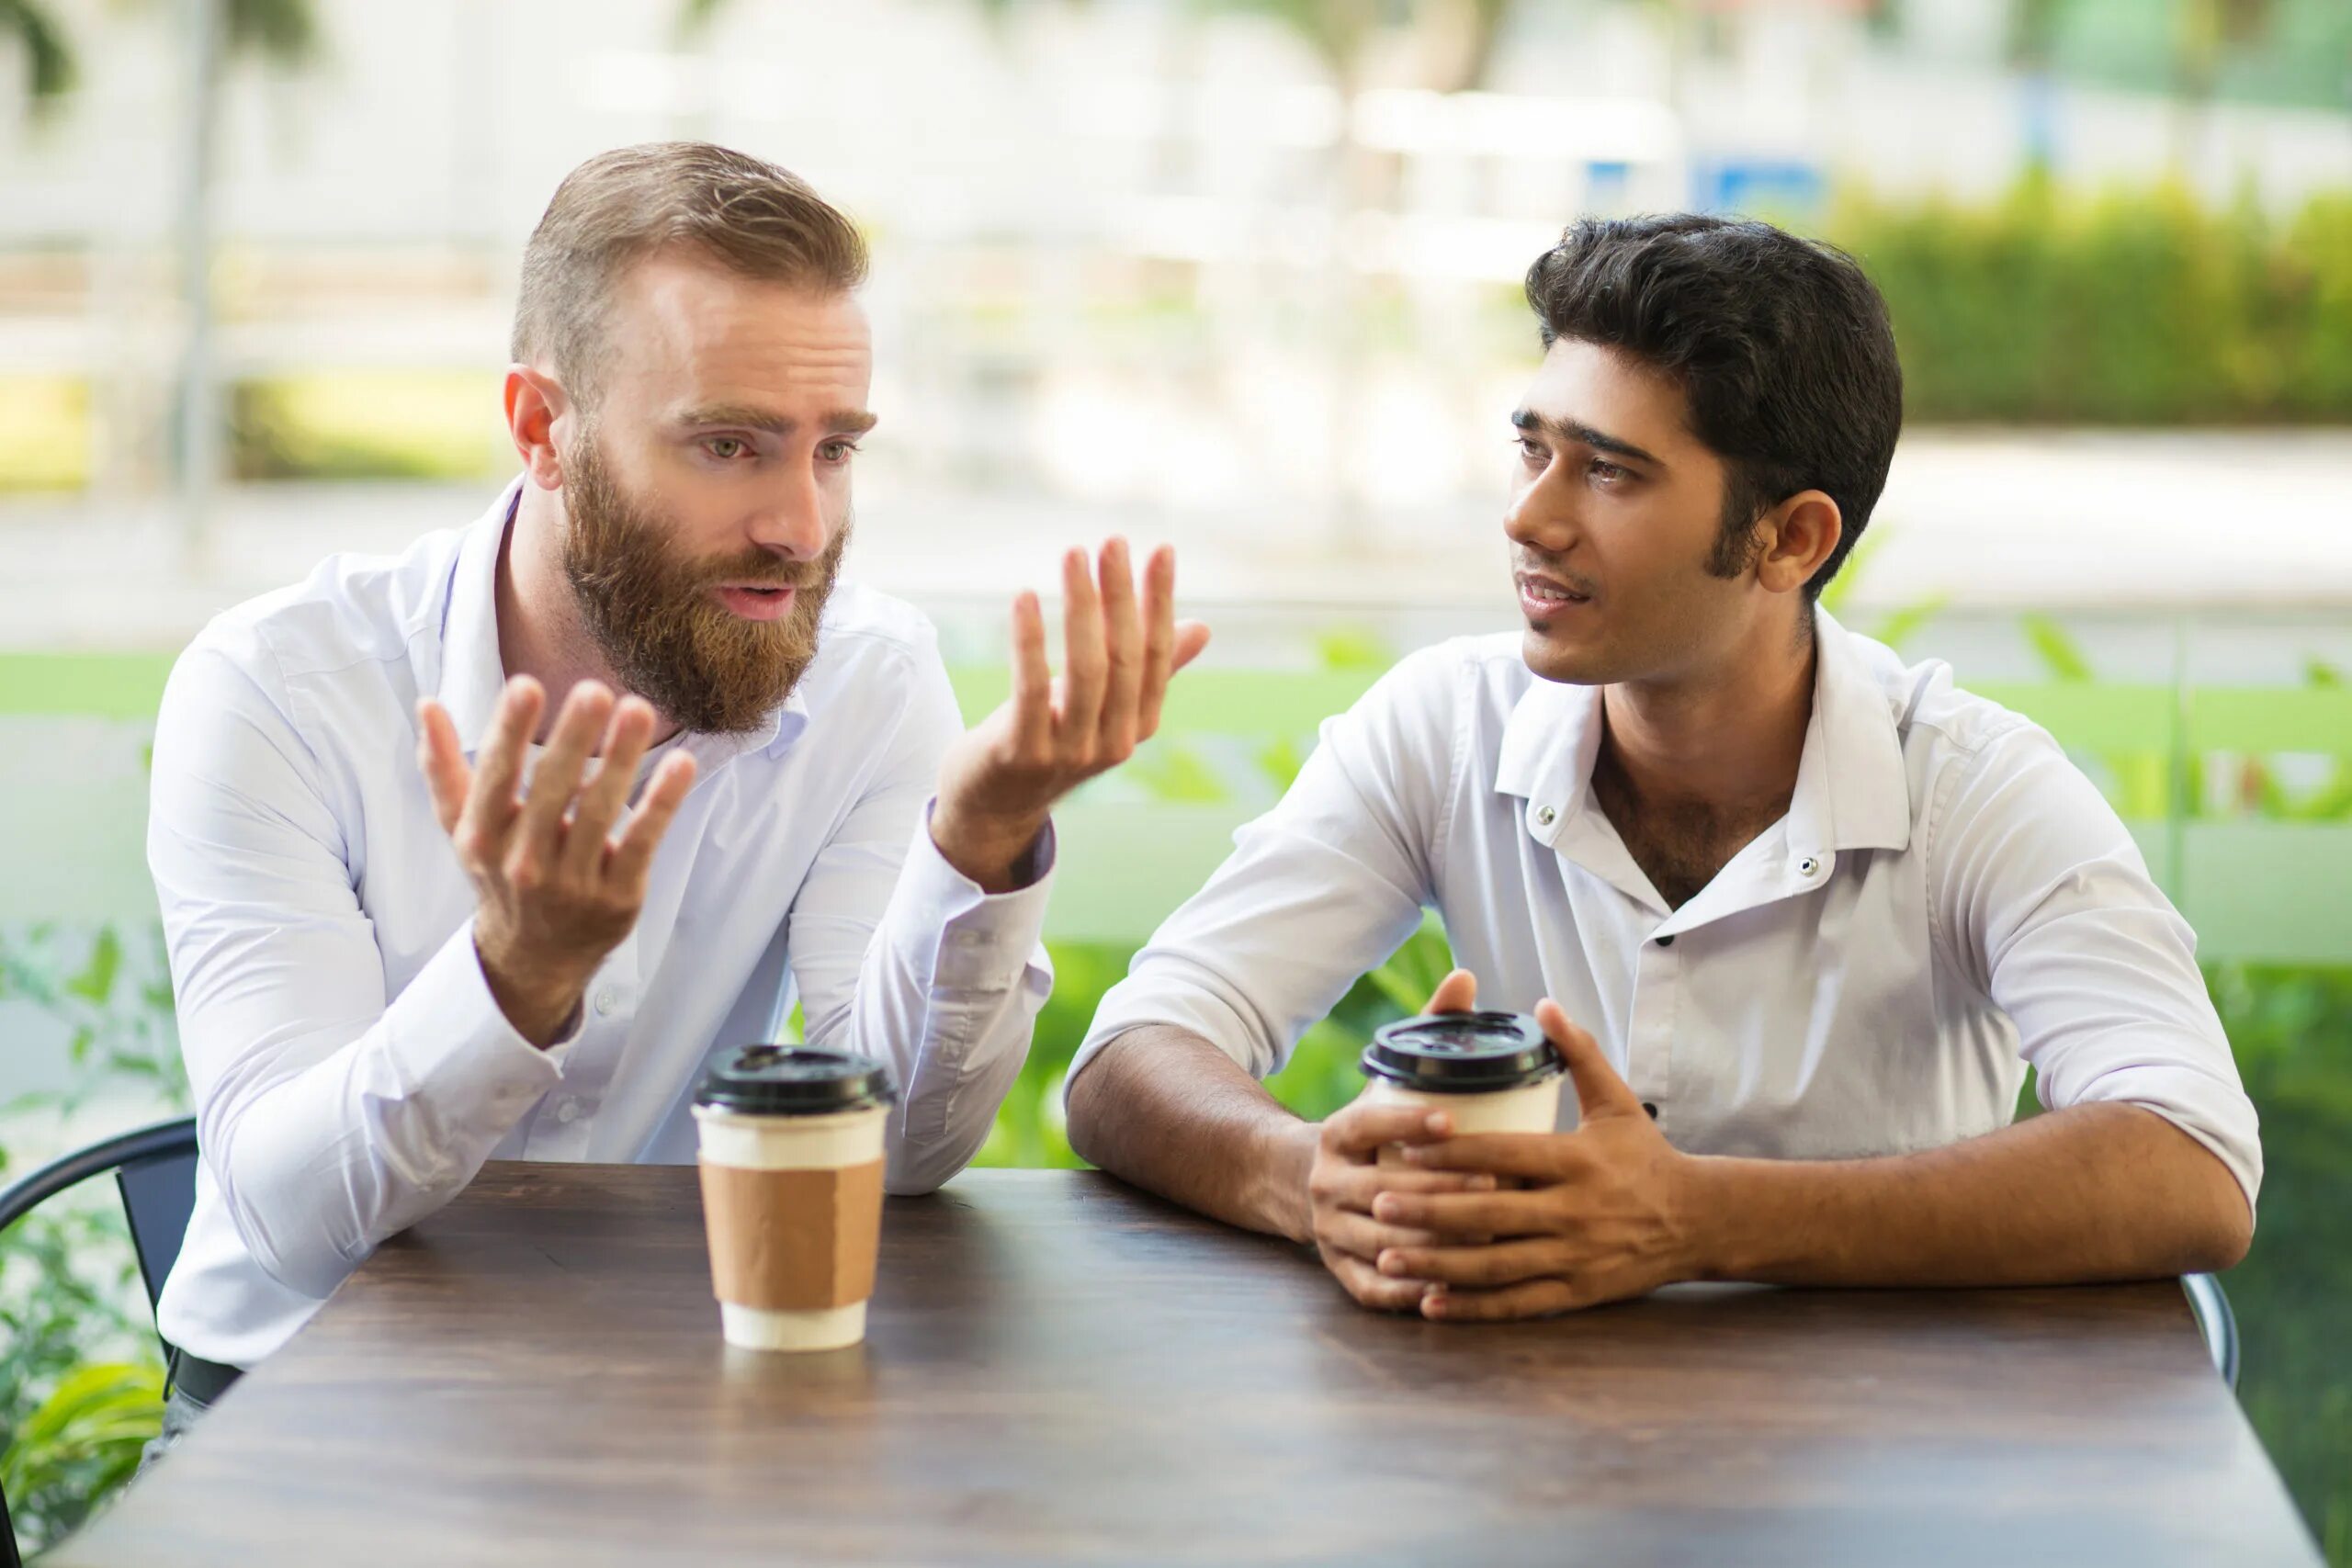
(618, 208)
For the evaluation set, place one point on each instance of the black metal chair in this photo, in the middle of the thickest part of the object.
(154, 1169)
(2216, 1322)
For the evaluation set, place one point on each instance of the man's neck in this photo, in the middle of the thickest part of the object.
(539, 630)
(1725, 740)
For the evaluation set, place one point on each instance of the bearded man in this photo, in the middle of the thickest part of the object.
(482, 851)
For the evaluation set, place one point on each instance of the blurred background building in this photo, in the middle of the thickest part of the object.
(1242, 275)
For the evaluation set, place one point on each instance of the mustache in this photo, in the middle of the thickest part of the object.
(1578, 582)
(763, 570)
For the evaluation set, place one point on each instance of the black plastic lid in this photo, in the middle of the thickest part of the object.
(1462, 1052)
(793, 1080)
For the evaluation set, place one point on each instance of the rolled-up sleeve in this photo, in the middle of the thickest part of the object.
(329, 1115)
(899, 955)
(1316, 891)
(2044, 899)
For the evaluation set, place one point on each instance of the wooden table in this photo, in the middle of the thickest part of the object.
(1061, 1370)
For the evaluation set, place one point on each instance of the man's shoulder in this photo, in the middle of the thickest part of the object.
(1933, 713)
(351, 614)
(1487, 668)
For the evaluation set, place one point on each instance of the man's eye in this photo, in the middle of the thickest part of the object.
(1609, 473)
(837, 451)
(726, 449)
(1529, 449)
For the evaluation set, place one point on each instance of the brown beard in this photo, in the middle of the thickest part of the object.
(656, 621)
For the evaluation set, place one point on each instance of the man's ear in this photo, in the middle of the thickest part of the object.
(1797, 536)
(535, 404)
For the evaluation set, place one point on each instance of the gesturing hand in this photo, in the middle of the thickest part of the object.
(555, 889)
(1346, 1181)
(999, 783)
(1583, 1217)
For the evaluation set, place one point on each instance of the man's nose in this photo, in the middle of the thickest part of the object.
(1541, 517)
(793, 521)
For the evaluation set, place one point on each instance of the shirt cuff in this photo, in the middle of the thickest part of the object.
(980, 936)
(449, 1041)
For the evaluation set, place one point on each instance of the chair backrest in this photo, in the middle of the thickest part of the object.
(154, 1171)
(158, 1196)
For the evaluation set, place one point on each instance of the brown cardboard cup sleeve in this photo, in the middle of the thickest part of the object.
(793, 1240)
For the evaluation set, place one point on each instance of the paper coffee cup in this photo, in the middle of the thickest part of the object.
(1492, 1072)
(791, 1158)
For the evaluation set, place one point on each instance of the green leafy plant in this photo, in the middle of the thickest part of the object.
(81, 1444)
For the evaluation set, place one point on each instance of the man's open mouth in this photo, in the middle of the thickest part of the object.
(756, 602)
(1543, 592)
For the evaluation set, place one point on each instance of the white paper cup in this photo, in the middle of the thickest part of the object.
(792, 1200)
(1490, 1072)
(1533, 1107)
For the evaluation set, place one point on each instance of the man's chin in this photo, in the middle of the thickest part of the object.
(1550, 660)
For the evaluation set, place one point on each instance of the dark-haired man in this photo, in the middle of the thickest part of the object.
(1810, 910)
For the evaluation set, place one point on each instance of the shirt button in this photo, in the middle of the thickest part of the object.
(604, 1002)
(1650, 1110)
(1666, 940)
(1544, 815)
(1808, 866)
(569, 1111)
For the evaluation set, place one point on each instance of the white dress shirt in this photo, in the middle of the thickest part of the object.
(1947, 899)
(352, 1071)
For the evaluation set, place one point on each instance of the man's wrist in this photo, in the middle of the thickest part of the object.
(1285, 1163)
(1744, 1219)
(996, 853)
(542, 1008)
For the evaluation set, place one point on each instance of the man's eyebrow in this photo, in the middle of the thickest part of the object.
(840, 422)
(1584, 435)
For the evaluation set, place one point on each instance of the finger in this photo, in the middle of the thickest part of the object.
(1536, 1157)
(1480, 1268)
(1159, 638)
(1600, 1091)
(1366, 1126)
(1033, 681)
(1458, 1214)
(1366, 1237)
(492, 805)
(1535, 1298)
(1192, 637)
(631, 859)
(556, 780)
(602, 801)
(1357, 1187)
(442, 756)
(1371, 1288)
(1082, 655)
(1458, 992)
(1122, 648)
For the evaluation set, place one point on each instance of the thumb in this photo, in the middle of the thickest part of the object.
(1600, 1091)
(1458, 992)
(442, 756)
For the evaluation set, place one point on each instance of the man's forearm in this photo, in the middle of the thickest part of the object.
(2093, 1192)
(1162, 1108)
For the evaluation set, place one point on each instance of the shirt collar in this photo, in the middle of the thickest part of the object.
(1853, 790)
(473, 673)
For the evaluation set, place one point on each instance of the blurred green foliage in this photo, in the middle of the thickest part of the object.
(384, 424)
(2053, 306)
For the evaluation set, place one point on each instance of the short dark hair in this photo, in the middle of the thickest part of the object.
(1781, 345)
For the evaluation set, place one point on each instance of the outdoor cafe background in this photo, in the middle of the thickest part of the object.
(1242, 275)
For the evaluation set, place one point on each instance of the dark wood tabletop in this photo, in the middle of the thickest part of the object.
(1061, 1370)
